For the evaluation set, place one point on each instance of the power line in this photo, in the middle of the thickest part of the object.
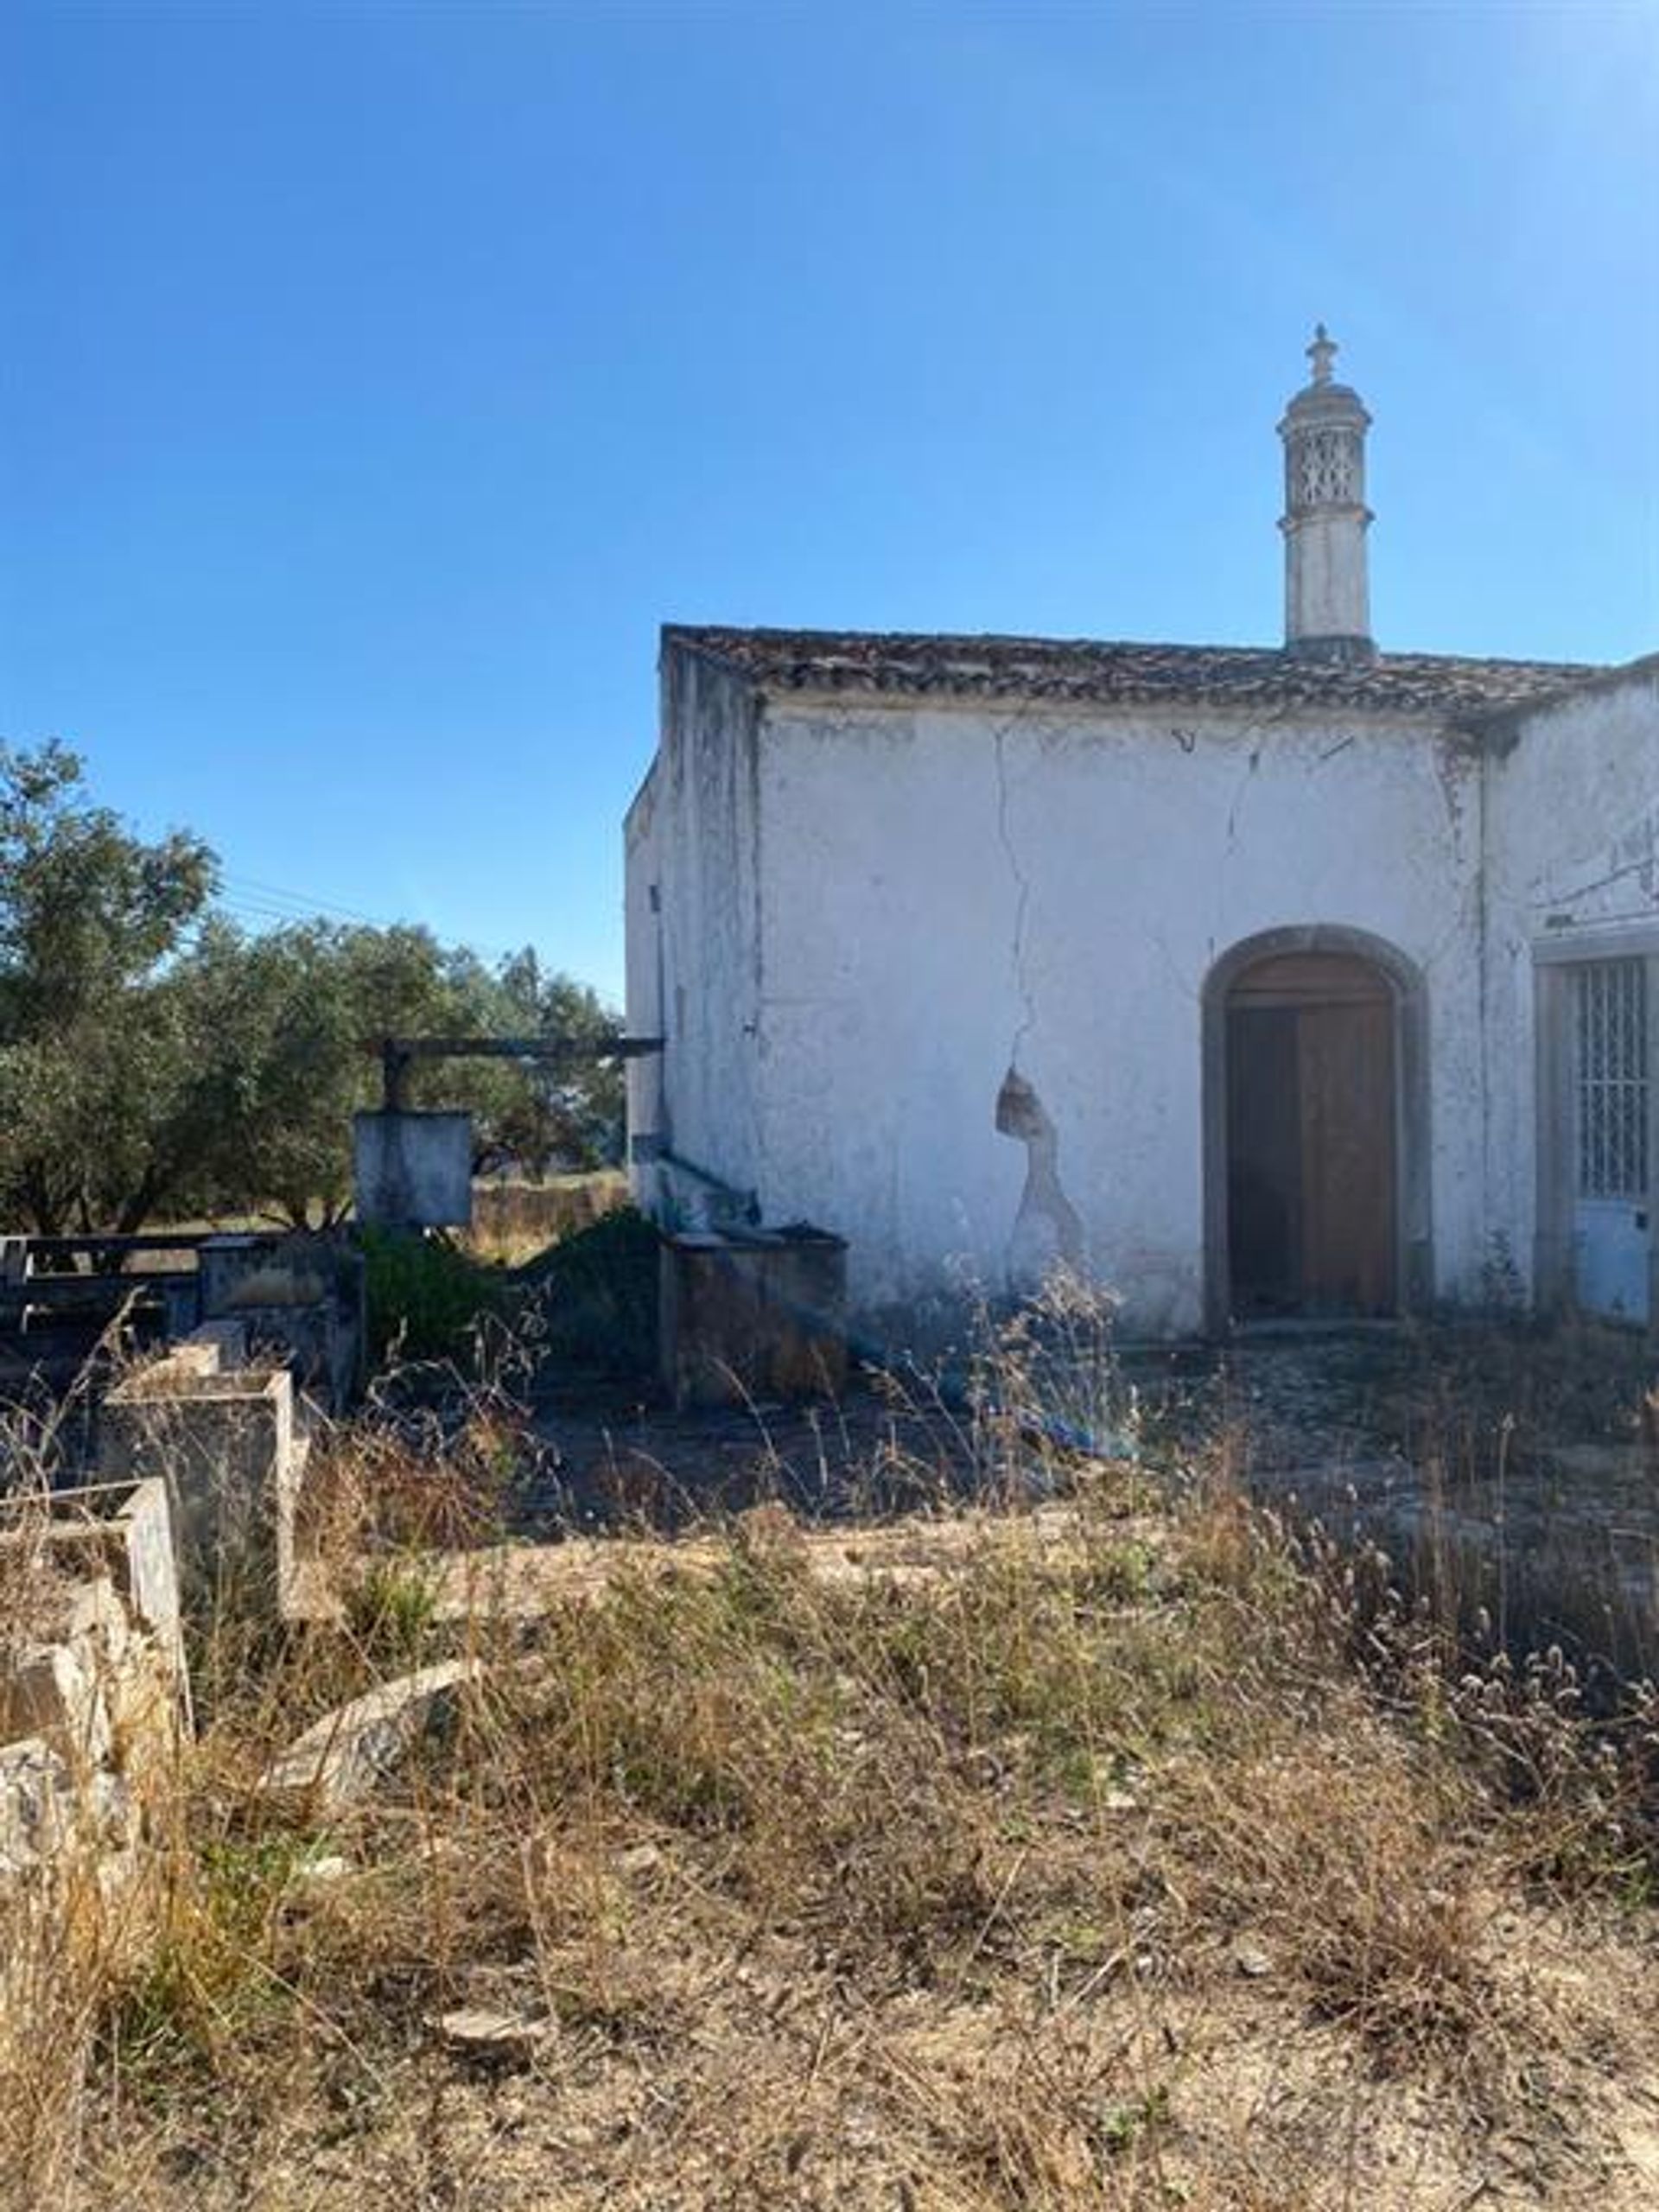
(251, 890)
(250, 898)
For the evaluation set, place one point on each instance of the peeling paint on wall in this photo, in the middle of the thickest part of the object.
(1048, 1227)
(945, 887)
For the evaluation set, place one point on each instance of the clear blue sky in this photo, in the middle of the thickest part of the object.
(375, 379)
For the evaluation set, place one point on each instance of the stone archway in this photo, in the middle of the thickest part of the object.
(1316, 1129)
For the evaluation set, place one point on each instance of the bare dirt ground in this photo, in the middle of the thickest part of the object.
(1073, 1875)
(1382, 1412)
(1513, 1444)
(1106, 1845)
(1527, 1457)
(878, 1448)
(742, 2075)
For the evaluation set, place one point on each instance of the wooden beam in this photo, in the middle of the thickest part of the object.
(397, 1052)
(518, 1048)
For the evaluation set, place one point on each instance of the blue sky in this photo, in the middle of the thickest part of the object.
(375, 380)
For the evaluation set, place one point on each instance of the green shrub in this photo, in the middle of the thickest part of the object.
(598, 1294)
(424, 1294)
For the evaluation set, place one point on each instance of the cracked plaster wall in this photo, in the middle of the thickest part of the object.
(1572, 864)
(952, 894)
(856, 925)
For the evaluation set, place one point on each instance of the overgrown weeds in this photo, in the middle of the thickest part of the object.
(596, 1290)
(1143, 1851)
(425, 1295)
(586, 1297)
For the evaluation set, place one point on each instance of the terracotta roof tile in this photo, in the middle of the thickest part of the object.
(874, 663)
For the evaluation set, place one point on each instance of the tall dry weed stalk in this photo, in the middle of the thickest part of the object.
(965, 1885)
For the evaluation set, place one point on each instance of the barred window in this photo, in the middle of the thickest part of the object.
(1611, 1037)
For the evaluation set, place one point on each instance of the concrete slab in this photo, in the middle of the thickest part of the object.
(413, 1171)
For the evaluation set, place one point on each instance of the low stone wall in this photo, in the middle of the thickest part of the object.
(93, 1708)
(224, 1440)
(297, 1295)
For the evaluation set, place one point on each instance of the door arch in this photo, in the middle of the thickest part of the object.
(1316, 1129)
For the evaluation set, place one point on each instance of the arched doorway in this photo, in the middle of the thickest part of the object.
(1315, 1129)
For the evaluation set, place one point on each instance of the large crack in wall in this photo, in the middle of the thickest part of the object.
(1047, 1228)
(1022, 905)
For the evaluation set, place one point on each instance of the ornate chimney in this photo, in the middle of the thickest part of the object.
(1327, 599)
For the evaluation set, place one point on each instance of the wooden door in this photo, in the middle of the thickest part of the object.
(1312, 1116)
(1345, 1065)
(1264, 1163)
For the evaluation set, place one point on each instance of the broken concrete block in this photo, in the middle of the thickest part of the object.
(225, 1444)
(52, 1691)
(226, 1340)
(37, 1796)
(91, 1612)
(119, 1534)
(92, 1695)
(190, 1358)
(346, 1753)
(297, 1291)
(492, 2038)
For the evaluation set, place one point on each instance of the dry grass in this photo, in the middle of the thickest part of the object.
(1170, 1866)
(514, 1221)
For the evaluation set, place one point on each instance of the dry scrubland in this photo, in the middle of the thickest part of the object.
(1128, 1852)
(515, 1221)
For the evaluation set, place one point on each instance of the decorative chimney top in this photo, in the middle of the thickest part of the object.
(1327, 599)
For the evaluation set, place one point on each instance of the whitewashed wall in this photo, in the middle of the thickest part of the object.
(945, 891)
(864, 915)
(693, 939)
(1572, 863)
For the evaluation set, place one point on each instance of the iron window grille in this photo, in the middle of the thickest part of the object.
(1611, 1042)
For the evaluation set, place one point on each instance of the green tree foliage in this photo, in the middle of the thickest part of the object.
(96, 1111)
(293, 1014)
(285, 1021)
(155, 1058)
(567, 1111)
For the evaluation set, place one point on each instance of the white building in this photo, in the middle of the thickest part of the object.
(1254, 981)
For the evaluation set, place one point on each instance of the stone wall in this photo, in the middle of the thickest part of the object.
(94, 1707)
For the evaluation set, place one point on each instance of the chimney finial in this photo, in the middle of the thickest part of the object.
(1327, 599)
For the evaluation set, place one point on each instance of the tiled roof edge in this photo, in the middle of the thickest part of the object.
(1480, 721)
(875, 663)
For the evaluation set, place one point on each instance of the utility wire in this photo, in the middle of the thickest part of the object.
(248, 899)
(250, 891)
